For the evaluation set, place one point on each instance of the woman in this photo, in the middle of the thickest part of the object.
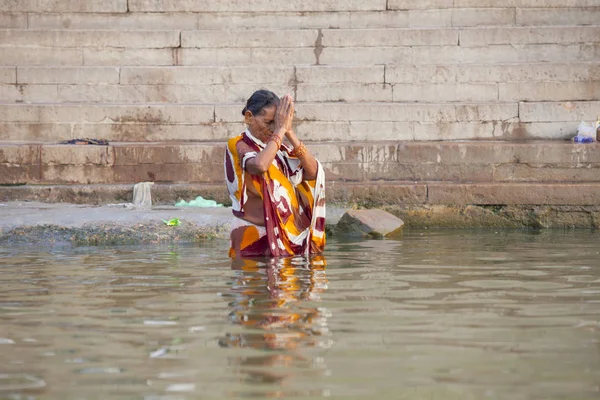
(277, 191)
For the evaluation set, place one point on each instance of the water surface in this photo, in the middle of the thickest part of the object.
(431, 315)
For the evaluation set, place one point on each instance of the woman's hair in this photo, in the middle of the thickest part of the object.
(259, 101)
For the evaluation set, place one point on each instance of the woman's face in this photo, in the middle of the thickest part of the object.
(262, 125)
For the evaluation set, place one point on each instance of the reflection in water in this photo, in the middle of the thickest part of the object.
(274, 303)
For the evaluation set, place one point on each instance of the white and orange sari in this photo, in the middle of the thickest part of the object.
(294, 208)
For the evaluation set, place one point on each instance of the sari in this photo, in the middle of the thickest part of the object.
(294, 208)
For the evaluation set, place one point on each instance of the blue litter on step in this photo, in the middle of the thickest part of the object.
(198, 202)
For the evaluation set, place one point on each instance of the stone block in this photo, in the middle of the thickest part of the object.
(376, 194)
(249, 38)
(19, 164)
(401, 19)
(574, 111)
(36, 132)
(419, 4)
(19, 154)
(338, 74)
(16, 20)
(129, 57)
(545, 130)
(445, 92)
(465, 17)
(514, 193)
(246, 56)
(8, 75)
(364, 56)
(344, 92)
(107, 114)
(88, 6)
(463, 130)
(76, 155)
(440, 4)
(28, 93)
(354, 130)
(125, 21)
(89, 38)
(190, 93)
(481, 37)
(546, 173)
(525, 3)
(529, 53)
(192, 173)
(68, 75)
(483, 73)
(568, 16)
(133, 154)
(203, 6)
(389, 171)
(275, 20)
(76, 174)
(373, 223)
(22, 55)
(426, 112)
(389, 37)
(550, 91)
(206, 75)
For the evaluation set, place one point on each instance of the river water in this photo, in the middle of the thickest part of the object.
(429, 315)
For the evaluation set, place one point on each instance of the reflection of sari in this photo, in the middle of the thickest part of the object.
(275, 313)
(294, 208)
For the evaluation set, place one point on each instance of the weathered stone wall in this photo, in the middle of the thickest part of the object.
(386, 93)
(162, 70)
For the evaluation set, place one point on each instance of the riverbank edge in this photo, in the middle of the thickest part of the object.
(121, 224)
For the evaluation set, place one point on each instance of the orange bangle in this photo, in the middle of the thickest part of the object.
(277, 140)
(299, 151)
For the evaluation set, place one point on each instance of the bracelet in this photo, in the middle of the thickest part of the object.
(277, 140)
(299, 151)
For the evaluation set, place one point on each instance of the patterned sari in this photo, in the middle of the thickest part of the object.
(294, 208)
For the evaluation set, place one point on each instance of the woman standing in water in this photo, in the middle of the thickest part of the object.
(277, 191)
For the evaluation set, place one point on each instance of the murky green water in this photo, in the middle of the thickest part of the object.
(434, 315)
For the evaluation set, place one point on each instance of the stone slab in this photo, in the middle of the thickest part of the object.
(499, 73)
(208, 75)
(481, 37)
(125, 21)
(128, 57)
(515, 193)
(573, 111)
(42, 56)
(550, 91)
(88, 6)
(249, 38)
(71, 38)
(374, 223)
(102, 113)
(254, 6)
(389, 37)
(558, 16)
(67, 75)
(15, 20)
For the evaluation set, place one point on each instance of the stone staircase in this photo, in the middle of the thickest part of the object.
(404, 101)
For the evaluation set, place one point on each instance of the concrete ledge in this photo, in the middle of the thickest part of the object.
(366, 194)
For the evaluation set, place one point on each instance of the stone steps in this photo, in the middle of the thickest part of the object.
(20, 18)
(433, 83)
(412, 46)
(460, 162)
(315, 121)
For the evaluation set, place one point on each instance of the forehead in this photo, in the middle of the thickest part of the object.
(268, 113)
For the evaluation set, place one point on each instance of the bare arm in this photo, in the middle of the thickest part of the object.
(308, 161)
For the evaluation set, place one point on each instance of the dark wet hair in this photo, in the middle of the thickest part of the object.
(260, 100)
